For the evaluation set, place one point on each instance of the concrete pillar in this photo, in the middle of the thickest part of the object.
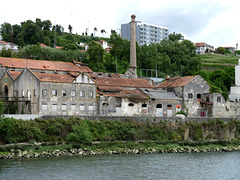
(133, 59)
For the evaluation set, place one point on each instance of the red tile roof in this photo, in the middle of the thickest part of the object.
(109, 88)
(54, 77)
(122, 82)
(43, 65)
(14, 74)
(178, 82)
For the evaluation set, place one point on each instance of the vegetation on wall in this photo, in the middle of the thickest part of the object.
(84, 131)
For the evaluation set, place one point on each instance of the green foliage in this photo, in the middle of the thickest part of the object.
(221, 50)
(81, 133)
(95, 61)
(76, 130)
(6, 52)
(48, 53)
(2, 108)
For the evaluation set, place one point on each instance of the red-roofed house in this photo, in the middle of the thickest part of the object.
(8, 45)
(202, 48)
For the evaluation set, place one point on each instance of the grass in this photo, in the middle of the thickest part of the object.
(216, 61)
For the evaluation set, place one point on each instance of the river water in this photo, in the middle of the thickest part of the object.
(204, 166)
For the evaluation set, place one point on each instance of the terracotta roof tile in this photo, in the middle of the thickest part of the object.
(43, 65)
(15, 74)
(178, 82)
(122, 82)
(54, 77)
(109, 88)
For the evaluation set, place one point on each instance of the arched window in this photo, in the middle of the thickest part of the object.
(190, 95)
(130, 104)
(159, 106)
(6, 92)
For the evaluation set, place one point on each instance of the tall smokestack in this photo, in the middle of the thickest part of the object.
(133, 61)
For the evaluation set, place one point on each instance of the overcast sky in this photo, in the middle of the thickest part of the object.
(215, 22)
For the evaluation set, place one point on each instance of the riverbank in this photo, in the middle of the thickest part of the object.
(18, 151)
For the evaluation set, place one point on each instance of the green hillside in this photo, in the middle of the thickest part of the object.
(211, 62)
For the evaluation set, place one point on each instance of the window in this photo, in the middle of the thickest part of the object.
(54, 107)
(198, 96)
(144, 105)
(90, 94)
(35, 92)
(23, 93)
(207, 99)
(64, 93)
(81, 93)
(159, 106)
(218, 99)
(73, 107)
(54, 92)
(64, 107)
(82, 107)
(169, 106)
(190, 95)
(73, 93)
(105, 104)
(130, 104)
(44, 106)
(44, 92)
(90, 107)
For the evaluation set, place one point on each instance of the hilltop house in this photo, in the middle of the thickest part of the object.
(202, 48)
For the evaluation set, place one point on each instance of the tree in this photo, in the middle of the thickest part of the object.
(103, 31)
(70, 29)
(6, 32)
(175, 36)
(95, 61)
(220, 50)
(6, 52)
(2, 108)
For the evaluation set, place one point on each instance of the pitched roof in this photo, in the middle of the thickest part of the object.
(160, 94)
(15, 74)
(122, 82)
(177, 82)
(54, 77)
(43, 65)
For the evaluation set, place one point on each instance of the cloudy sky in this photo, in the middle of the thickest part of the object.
(215, 22)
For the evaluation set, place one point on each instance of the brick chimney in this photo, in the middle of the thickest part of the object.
(133, 59)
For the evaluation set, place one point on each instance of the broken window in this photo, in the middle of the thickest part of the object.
(64, 93)
(73, 93)
(190, 95)
(105, 104)
(54, 92)
(207, 99)
(130, 104)
(218, 99)
(44, 92)
(159, 106)
(144, 105)
(198, 96)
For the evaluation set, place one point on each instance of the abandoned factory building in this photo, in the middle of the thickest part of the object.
(71, 88)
